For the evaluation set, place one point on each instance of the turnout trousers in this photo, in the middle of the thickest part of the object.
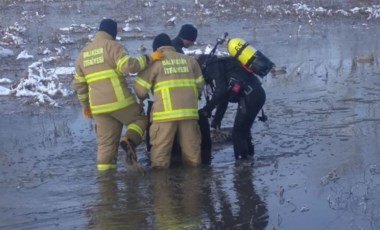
(162, 135)
(108, 132)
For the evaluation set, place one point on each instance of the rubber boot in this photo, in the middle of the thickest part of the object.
(130, 150)
(251, 146)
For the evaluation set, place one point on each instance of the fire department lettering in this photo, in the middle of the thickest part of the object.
(177, 65)
(93, 57)
(177, 61)
(179, 69)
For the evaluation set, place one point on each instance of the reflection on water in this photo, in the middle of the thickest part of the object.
(179, 198)
(323, 113)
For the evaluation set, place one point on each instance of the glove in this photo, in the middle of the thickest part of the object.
(156, 55)
(86, 111)
(215, 124)
(204, 112)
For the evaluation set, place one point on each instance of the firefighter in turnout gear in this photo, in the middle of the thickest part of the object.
(100, 84)
(176, 83)
(186, 38)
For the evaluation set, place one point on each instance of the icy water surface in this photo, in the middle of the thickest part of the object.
(317, 161)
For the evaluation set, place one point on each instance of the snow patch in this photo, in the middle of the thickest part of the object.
(5, 80)
(5, 52)
(64, 39)
(4, 91)
(42, 85)
(78, 28)
(12, 35)
(24, 55)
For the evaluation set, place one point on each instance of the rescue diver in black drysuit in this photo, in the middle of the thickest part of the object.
(233, 83)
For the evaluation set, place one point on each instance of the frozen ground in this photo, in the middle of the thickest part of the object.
(317, 161)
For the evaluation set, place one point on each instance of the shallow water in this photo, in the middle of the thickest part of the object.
(317, 157)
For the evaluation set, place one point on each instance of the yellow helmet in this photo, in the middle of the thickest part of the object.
(240, 49)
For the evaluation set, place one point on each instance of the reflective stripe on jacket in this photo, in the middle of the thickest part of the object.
(176, 82)
(99, 74)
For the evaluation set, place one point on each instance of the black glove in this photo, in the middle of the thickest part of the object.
(204, 112)
(215, 124)
(263, 117)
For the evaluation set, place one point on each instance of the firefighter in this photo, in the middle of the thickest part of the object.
(185, 38)
(100, 84)
(176, 82)
(233, 83)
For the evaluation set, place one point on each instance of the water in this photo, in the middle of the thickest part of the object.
(323, 120)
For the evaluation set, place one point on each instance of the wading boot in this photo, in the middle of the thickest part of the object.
(251, 150)
(251, 146)
(130, 149)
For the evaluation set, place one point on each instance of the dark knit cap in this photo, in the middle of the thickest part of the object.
(109, 26)
(161, 40)
(188, 32)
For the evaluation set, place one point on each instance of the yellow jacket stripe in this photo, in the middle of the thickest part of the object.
(136, 128)
(121, 102)
(199, 79)
(143, 83)
(96, 109)
(142, 62)
(169, 113)
(79, 78)
(102, 167)
(181, 113)
(125, 59)
(101, 75)
(118, 90)
(121, 62)
(83, 97)
(166, 99)
(174, 84)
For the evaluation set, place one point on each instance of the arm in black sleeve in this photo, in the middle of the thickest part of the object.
(215, 71)
(219, 113)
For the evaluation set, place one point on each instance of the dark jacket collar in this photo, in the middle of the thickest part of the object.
(178, 44)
